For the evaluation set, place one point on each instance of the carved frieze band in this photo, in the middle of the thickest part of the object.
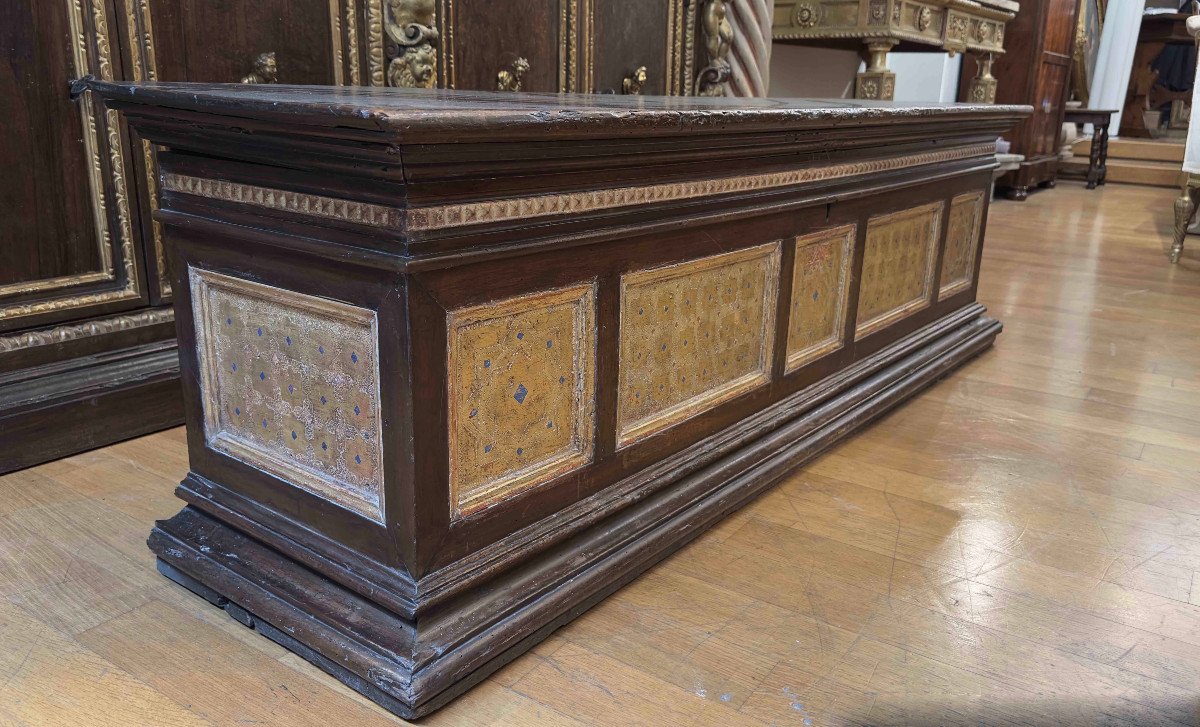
(74, 332)
(693, 335)
(289, 383)
(474, 213)
(277, 199)
(519, 208)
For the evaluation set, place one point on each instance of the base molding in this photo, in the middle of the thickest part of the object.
(56, 410)
(412, 666)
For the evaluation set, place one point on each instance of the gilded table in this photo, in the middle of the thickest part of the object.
(459, 365)
(879, 26)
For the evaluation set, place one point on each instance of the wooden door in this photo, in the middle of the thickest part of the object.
(650, 35)
(1058, 37)
(67, 248)
(224, 41)
(482, 38)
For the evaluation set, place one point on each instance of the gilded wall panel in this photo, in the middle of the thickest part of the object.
(962, 242)
(820, 285)
(289, 383)
(898, 264)
(692, 335)
(521, 393)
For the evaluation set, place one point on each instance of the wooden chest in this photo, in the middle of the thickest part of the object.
(458, 365)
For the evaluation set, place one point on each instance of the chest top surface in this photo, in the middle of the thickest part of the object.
(424, 115)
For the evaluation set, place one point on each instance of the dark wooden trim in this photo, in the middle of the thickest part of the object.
(58, 409)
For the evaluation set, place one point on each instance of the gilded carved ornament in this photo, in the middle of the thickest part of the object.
(924, 18)
(410, 25)
(265, 70)
(632, 85)
(806, 15)
(713, 79)
(511, 78)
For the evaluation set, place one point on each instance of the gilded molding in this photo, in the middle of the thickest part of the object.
(675, 19)
(352, 42)
(74, 332)
(336, 43)
(474, 213)
(62, 281)
(305, 204)
(139, 21)
(689, 49)
(376, 64)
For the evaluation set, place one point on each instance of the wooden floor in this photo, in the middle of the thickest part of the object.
(1019, 545)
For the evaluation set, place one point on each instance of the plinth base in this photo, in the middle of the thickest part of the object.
(413, 666)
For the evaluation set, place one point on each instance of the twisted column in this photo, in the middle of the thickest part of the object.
(750, 56)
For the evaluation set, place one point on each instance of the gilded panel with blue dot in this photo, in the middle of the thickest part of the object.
(962, 244)
(290, 384)
(820, 284)
(898, 266)
(694, 334)
(521, 396)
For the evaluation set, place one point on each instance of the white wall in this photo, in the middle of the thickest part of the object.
(808, 72)
(799, 71)
(926, 77)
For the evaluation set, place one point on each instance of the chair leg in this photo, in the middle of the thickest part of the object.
(1185, 209)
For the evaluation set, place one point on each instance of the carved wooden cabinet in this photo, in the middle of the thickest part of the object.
(1036, 71)
(87, 352)
(585, 46)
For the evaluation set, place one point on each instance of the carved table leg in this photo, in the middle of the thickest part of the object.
(1185, 209)
(876, 83)
(983, 85)
(1093, 174)
(1102, 134)
(1019, 194)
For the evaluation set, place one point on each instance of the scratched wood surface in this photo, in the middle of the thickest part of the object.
(1018, 545)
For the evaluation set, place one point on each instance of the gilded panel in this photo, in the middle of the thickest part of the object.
(692, 335)
(820, 285)
(962, 242)
(521, 393)
(289, 383)
(898, 263)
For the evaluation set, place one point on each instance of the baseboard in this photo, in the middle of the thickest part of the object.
(61, 410)
(413, 666)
